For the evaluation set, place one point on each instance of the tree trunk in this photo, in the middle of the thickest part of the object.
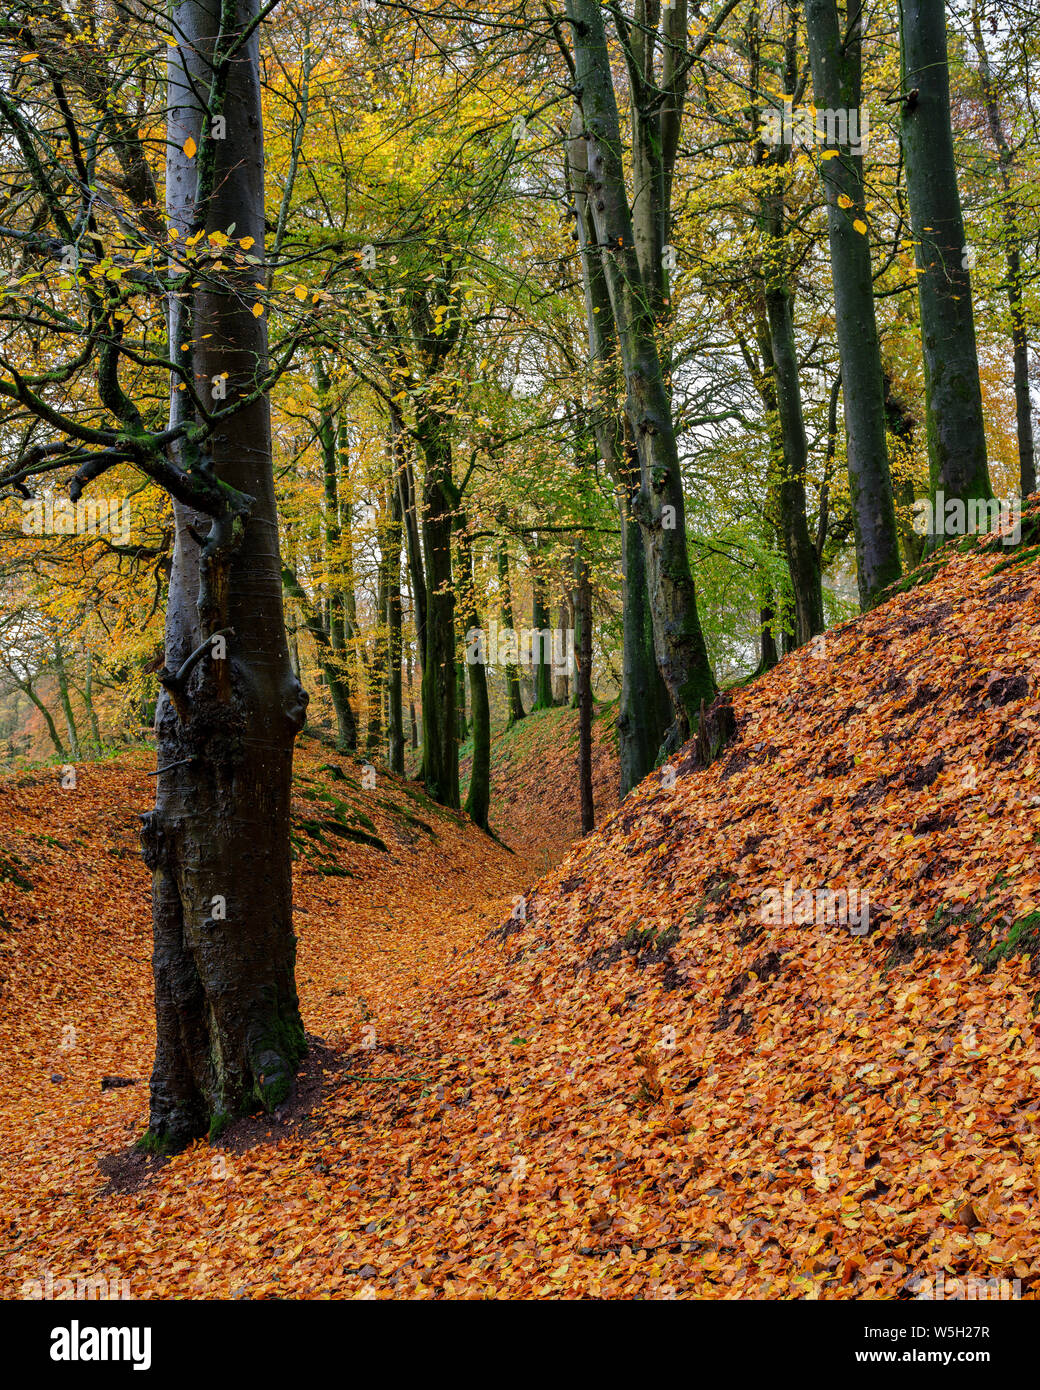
(514, 698)
(478, 799)
(541, 658)
(63, 694)
(679, 643)
(395, 711)
(835, 48)
(638, 733)
(331, 668)
(583, 680)
(1013, 247)
(88, 700)
(561, 679)
(790, 464)
(440, 731)
(953, 396)
(229, 1032)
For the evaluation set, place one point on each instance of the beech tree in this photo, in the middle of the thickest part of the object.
(679, 646)
(103, 262)
(953, 396)
(835, 36)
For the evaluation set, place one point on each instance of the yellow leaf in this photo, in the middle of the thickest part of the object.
(246, 242)
(860, 226)
(189, 147)
(258, 309)
(300, 291)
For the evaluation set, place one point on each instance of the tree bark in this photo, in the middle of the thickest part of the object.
(439, 719)
(63, 695)
(835, 50)
(638, 732)
(394, 693)
(514, 696)
(583, 680)
(953, 395)
(679, 643)
(1013, 252)
(229, 1032)
(541, 659)
(661, 509)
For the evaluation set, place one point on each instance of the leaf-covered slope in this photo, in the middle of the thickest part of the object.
(637, 1088)
(712, 1104)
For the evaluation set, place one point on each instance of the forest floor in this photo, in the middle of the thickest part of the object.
(641, 1087)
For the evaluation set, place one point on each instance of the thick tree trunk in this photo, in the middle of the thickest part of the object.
(229, 1032)
(679, 643)
(953, 396)
(835, 48)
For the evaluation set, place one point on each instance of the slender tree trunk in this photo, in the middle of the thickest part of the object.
(410, 519)
(229, 1032)
(88, 700)
(514, 698)
(583, 680)
(331, 668)
(560, 679)
(835, 48)
(541, 658)
(395, 714)
(790, 465)
(638, 733)
(26, 688)
(1013, 251)
(440, 724)
(953, 395)
(62, 677)
(478, 798)
(679, 643)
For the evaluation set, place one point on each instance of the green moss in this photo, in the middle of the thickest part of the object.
(1023, 938)
(9, 874)
(218, 1124)
(155, 1145)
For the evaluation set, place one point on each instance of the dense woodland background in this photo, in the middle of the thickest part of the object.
(423, 268)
